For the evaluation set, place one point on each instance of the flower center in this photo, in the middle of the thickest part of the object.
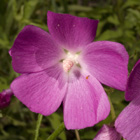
(69, 61)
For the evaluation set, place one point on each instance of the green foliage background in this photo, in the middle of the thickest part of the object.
(119, 21)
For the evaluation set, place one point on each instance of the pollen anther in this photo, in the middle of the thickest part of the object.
(87, 77)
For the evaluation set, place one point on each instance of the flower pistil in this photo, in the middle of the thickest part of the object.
(70, 60)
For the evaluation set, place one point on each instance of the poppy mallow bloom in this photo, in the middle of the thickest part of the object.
(5, 98)
(107, 133)
(128, 122)
(66, 66)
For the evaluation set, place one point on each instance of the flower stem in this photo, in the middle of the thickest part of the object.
(113, 115)
(57, 132)
(38, 126)
(77, 134)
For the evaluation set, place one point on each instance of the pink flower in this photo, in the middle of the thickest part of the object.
(66, 66)
(107, 133)
(5, 98)
(128, 122)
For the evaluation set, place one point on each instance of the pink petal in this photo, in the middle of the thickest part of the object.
(85, 103)
(34, 50)
(107, 61)
(71, 32)
(128, 122)
(107, 133)
(133, 83)
(41, 92)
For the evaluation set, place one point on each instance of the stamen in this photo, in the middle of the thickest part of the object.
(70, 60)
(67, 65)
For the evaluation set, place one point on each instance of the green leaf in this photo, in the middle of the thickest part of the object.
(55, 121)
(29, 8)
(100, 27)
(117, 96)
(79, 8)
(87, 135)
(113, 19)
(110, 35)
(130, 3)
(3, 84)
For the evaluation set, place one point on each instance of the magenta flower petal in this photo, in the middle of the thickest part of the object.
(41, 92)
(5, 98)
(71, 32)
(128, 122)
(34, 50)
(107, 61)
(133, 83)
(107, 133)
(85, 103)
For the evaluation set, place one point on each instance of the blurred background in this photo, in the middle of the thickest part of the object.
(119, 21)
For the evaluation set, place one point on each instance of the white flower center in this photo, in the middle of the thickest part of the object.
(69, 61)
